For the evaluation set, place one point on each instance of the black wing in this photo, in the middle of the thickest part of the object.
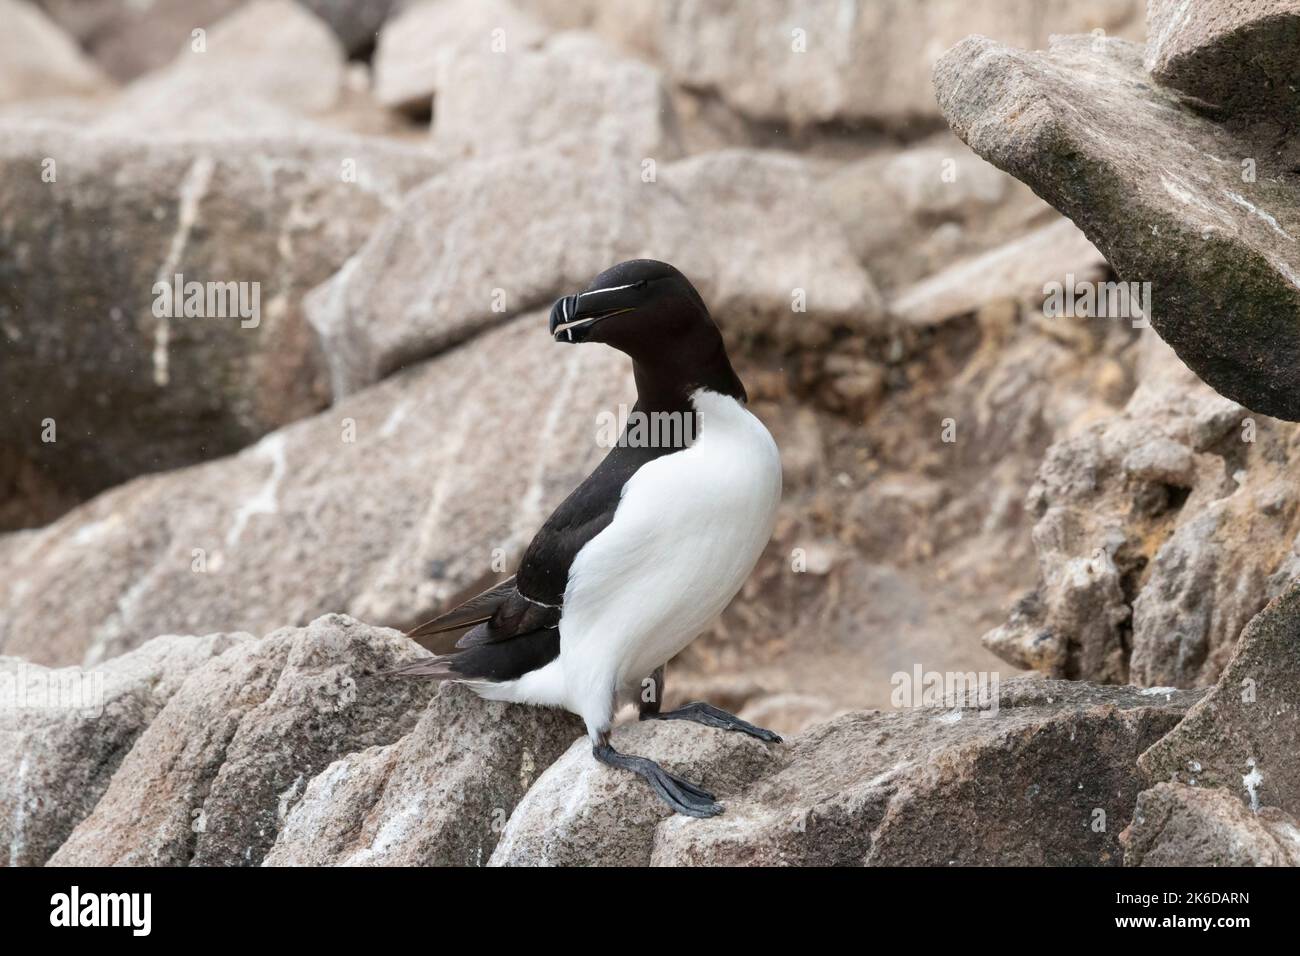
(544, 570)
(515, 624)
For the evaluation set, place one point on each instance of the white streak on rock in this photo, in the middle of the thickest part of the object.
(288, 799)
(193, 188)
(1256, 211)
(20, 814)
(266, 500)
(90, 532)
(395, 417)
(1251, 782)
(1180, 190)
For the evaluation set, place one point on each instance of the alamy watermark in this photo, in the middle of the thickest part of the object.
(1098, 300)
(74, 908)
(208, 300)
(29, 687)
(946, 690)
(633, 428)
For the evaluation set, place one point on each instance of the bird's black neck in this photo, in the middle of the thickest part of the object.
(665, 383)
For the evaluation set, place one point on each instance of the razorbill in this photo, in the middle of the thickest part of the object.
(647, 550)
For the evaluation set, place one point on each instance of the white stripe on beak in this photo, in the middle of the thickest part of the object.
(579, 323)
(613, 288)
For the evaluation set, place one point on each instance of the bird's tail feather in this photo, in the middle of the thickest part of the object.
(432, 668)
(476, 610)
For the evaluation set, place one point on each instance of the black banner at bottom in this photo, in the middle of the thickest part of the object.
(336, 906)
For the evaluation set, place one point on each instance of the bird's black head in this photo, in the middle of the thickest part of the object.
(638, 307)
(651, 312)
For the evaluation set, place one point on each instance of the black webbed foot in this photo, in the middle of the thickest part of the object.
(710, 716)
(682, 795)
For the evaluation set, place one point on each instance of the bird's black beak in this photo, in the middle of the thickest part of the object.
(573, 316)
(562, 314)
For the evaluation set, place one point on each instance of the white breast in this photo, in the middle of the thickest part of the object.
(687, 533)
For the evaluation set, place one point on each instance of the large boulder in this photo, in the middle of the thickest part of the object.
(386, 506)
(38, 60)
(451, 262)
(771, 261)
(1178, 825)
(482, 242)
(1233, 56)
(101, 383)
(1169, 196)
(574, 87)
(212, 779)
(64, 733)
(416, 47)
(255, 69)
(1049, 778)
(1241, 736)
(1160, 531)
(438, 797)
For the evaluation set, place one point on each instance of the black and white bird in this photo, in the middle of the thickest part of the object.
(647, 550)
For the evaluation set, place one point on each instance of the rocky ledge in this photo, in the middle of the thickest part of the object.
(296, 748)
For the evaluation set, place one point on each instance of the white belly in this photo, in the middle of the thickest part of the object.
(687, 533)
